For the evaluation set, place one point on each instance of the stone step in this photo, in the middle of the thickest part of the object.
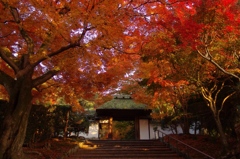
(163, 149)
(151, 145)
(74, 157)
(119, 155)
(129, 146)
(127, 143)
(99, 151)
(113, 149)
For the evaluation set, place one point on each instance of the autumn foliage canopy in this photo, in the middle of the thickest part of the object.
(64, 50)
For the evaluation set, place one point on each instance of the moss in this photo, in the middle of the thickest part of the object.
(122, 103)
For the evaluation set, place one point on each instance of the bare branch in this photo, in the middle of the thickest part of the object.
(218, 91)
(3, 54)
(224, 100)
(64, 48)
(214, 88)
(44, 78)
(206, 94)
(210, 59)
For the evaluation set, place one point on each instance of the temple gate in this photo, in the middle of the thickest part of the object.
(124, 108)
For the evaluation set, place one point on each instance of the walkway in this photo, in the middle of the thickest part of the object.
(115, 149)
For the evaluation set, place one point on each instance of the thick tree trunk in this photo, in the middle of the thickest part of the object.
(16, 118)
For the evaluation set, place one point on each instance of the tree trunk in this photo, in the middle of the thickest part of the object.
(186, 125)
(66, 124)
(210, 95)
(15, 121)
(222, 135)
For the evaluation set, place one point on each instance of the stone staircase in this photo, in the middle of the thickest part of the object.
(115, 149)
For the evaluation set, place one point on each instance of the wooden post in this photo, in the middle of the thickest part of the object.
(137, 131)
(110, 135)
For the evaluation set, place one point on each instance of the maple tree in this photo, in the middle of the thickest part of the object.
(212, 31)
(176, 86)
(52, 49)
(72, 49)
(179, 33)
(210, 82)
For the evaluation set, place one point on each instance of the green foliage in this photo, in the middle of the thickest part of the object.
(40, 124)
(122, 103)
(46, 122)
(170, 124)
(79, 121)
(59, 118)
(87, 105)
(123, 130)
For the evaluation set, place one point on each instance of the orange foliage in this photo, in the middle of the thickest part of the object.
(177, 35)
(81, 41)
(93, 43)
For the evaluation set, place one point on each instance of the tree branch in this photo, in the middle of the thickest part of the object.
(206, 94)
(64, 48)
(23, 32)
(44, 78)
(4, 36)
(160, 1)
(47, 41)
(4, 52)
(224, 100)
(24, 71)
(6, 80)
(218, 91)
(214, 88)
(216, 64)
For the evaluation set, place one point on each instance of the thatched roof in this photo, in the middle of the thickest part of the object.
(122, 102)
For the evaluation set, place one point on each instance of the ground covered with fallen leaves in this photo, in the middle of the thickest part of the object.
(208, 145)
(50, 149)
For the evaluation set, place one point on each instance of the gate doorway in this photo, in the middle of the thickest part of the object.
(123, 110)
(121, 130)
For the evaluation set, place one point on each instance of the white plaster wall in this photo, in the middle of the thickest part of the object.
(143, 126)
(153, 135)
(92, 132)
(144, 129)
